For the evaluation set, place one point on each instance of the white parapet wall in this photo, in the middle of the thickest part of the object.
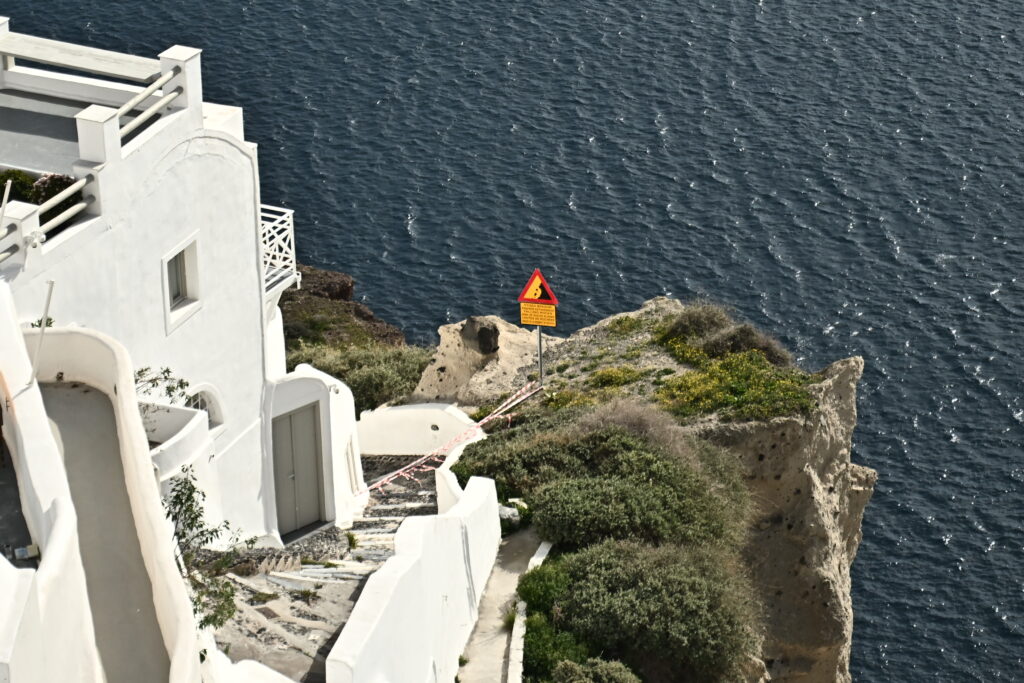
(416, 613)
(415, 429)
(80, 355)
(49, 606)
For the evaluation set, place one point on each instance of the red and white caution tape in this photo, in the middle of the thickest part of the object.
(438, 455)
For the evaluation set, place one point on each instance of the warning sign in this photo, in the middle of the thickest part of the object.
(538, 291)
(537, 314)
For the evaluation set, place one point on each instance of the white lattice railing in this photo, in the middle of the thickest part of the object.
(278, 240)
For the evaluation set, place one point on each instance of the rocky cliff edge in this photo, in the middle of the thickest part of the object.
(809, 496)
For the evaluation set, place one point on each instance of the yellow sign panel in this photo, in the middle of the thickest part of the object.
(537, 314)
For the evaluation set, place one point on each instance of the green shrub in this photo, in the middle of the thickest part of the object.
(670, 613)
(615, 377)
(687, 354)
(544, 646)
(375, 373)
(508, 618)
(625, 325)
(21, 185)
(742, 386)
(578, 512)
(566, 398)
(542, 586)
(746, 338)
(522, 459)
(593, 671)
(694, 322)
(680, 509)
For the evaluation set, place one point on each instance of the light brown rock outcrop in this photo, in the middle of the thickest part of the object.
(810, 500)
(479, 359)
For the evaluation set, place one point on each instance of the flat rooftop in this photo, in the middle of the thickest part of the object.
(38, 132)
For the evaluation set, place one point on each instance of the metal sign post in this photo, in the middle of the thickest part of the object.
(537, 305)
(540, 357)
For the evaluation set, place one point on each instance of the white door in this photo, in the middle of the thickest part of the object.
(297, 471)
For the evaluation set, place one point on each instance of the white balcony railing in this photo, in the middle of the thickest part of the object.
(278, 239)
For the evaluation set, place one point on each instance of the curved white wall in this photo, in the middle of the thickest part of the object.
(54, 606)
(416, 613)
(415, 429)
(79, 355)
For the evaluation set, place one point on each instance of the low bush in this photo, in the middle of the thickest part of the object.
(544, 646)
(670, 613)
(679, 507)
(21, 185)
(593, 671)
(375, 373)
(741, 386)
(625, 325)
(578, 512)
(542, 586)
(537, 452)
(614, 377)
(694, 322)
(686, 353)
(566, 398)
(746, 337)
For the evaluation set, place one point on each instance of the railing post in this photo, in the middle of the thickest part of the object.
(25, 220)
(6, 61)
(189, 78)
(99, 137)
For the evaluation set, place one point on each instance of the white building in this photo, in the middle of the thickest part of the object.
(170, 260)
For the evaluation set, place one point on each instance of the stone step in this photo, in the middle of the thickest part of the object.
(404, 507)
(373, 541)
(292, 581)
(376, 526)
(375, 530)
(337, 575)
(374, 554)
(378, 520)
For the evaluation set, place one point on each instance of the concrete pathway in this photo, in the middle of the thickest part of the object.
(120, 594)
(487, 651)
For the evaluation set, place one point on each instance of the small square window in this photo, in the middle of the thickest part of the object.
(180, 274)
(177, 281)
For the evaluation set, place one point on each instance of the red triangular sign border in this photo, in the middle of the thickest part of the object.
(522, 295)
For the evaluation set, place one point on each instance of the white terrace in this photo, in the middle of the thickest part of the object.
(80, 123)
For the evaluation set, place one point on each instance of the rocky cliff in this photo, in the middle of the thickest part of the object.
(810, 500)
(322, 311)
(809, 497)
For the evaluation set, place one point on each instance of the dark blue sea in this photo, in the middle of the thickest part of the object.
(847, 175)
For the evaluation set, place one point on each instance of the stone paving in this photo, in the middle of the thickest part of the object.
(295, 602)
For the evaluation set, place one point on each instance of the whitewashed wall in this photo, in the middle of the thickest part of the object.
(80, 355)
(416, 613)
(49, 605)
(176, 182)
(415, 429)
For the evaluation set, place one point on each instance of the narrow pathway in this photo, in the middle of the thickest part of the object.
(120, 594)
(487, 651)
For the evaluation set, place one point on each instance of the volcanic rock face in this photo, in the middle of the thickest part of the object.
(810, 500)
(322, 311)
(478, 360)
